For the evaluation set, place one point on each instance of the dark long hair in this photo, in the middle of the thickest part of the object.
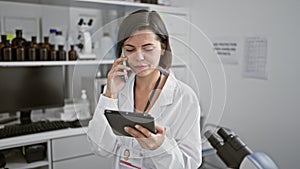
(146, 20)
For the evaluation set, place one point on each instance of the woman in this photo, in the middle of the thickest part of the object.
(151, 88)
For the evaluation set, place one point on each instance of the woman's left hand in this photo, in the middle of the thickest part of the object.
(146, 138)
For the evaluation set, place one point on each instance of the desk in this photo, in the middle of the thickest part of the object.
(66, 148)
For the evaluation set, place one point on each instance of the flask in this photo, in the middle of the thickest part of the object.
(31, 52)
(20, 52)
(7, 52)
(52, 53)
(19, 37)
(83, 107)
(61, 53)
(72, 53)
(2, 44)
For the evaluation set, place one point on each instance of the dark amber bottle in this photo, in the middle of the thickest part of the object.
(34, 42)
(43, 53)
(31, 52)
(20, 52)
(46, 42)
(2, 44)
(61, 53)
(52, 53)
(7, 52)
(72, 53)
(19, 37)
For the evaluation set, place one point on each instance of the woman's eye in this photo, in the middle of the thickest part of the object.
(129, 50)
(148, 49)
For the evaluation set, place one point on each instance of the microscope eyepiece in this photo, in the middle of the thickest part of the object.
(90, 22)
(224, 134)
(214, 141)
(80, 22)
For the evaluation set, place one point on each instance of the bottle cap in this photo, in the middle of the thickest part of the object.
(52, 30)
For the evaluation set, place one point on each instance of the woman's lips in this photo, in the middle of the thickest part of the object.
(140, 67)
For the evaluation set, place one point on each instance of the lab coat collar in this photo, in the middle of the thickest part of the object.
(166, 97)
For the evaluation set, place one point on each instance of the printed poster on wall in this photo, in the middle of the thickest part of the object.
(227, 49)
(255, 58)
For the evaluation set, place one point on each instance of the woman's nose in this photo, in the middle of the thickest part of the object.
(139, 55)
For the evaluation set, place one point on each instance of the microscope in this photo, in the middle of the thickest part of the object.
(86, 51)
(235, 154)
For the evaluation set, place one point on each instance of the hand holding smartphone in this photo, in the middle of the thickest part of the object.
(125, 64)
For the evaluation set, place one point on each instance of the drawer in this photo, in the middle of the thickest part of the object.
(70, 147)
(88, 162)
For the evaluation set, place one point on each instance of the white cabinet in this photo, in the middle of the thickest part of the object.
(74, 152)
(66, 149)
(88, 162)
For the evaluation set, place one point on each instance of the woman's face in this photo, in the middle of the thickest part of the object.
(143, 50)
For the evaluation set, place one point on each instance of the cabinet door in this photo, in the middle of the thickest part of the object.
(70, 147)
(85, 162)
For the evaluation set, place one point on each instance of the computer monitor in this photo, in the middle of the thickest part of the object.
(28, 88)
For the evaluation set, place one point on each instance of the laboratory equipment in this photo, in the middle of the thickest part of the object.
(235, 153)
(86, 51)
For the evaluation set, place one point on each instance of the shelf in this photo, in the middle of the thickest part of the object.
(55, 63)
(17, 161)
(92, 3)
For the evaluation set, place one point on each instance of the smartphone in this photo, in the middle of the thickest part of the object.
(125, 64)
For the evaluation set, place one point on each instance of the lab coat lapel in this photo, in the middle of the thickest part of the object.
(165, 98)
(126, 102)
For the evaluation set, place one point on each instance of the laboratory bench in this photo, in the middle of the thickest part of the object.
(65, 148)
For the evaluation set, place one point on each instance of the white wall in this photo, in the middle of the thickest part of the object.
(264, 113)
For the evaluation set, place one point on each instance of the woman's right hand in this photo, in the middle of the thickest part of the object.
(115, 78)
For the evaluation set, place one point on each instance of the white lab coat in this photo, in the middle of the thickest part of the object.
(177, 108)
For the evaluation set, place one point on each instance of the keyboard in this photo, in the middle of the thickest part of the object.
(34, 127)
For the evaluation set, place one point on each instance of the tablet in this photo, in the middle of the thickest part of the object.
(119, 119)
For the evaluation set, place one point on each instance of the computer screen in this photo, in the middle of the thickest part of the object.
(29, 88)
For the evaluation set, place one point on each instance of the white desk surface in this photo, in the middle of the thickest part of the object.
(46, 136)
(40, 137)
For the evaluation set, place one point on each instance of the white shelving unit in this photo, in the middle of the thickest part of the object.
(55, 63)
(58, 140)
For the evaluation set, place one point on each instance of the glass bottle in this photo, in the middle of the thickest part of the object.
(46, 42)
(52, 35)
(36, 46)
(34, 41)
(43, 53)
(2, 44)
(61, 53)
(72, 53)
(31, 52)
(20, 52)
(52, 53)
(83, 107)
(59, 39)
(7, 52)
(19, 37)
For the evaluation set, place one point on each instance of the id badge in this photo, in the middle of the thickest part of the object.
(130, 159)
